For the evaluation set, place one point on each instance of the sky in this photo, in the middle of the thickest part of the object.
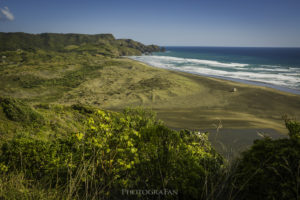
(258, 23)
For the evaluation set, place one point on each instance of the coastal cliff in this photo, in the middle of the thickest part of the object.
(105, 44)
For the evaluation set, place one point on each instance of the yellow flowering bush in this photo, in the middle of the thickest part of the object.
(116, 151)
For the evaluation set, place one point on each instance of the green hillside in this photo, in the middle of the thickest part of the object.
(76, 123)
(99, 44)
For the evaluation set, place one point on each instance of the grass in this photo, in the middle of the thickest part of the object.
(48, 95)
(65, 157)
(42, 120)
(89, 153)
(182, 100)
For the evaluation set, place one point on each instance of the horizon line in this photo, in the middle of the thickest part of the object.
(229, 46)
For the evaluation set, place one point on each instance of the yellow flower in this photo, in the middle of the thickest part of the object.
(126, 137)
(128, 166)
(136, 133)
(79, 136)
(101, 113)
(129, 143)
(3, 167)
(91, 121)
(133, 150)
(122, 120)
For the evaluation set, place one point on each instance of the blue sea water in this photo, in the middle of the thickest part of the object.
(272, 67)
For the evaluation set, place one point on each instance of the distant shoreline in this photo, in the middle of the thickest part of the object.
(255, 83)
(196, 101)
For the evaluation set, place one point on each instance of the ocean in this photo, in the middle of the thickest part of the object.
(277, 68)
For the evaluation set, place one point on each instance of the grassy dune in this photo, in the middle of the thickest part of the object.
(184, 100)
(249, 107)
(181, 100)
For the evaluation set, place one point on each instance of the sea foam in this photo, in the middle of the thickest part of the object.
(170, 59)
(275, 75)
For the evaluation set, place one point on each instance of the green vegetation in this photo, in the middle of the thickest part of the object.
(20, 112)
(81, 152)
(61, 137)
(104, 44)
(271, 168)
(114, 151)
(69, 71)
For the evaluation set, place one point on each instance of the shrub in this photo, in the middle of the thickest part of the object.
(35, 157)
(18, 111)
(117, 151)
(270, 169)
(294, 128)
(82, 109)
(179, 161)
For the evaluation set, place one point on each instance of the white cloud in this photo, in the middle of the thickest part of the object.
(6, 14)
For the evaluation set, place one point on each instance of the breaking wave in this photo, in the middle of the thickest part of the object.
(275, 75)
